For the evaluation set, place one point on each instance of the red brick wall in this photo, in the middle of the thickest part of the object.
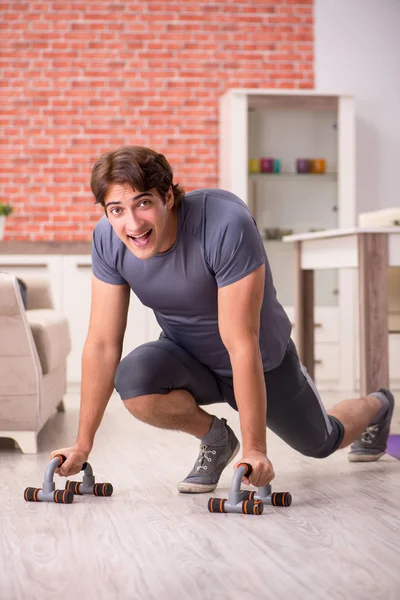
(83, 77)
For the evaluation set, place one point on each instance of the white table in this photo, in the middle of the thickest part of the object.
(371, 251)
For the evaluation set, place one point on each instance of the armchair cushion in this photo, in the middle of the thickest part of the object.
(51, 334)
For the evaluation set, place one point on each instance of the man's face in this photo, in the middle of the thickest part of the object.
(141, 220)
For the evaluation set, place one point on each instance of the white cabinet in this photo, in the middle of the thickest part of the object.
(288, 125)
(326, 331)
(326, 326)
(141, 327)
(37, 265)
(76, 293)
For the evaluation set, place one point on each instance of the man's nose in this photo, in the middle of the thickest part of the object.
(132, 222)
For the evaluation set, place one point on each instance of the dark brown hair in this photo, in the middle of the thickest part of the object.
(141, 168)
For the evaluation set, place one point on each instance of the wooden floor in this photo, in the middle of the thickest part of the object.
(339, 540)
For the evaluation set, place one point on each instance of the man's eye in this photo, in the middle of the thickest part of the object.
(144, 202)
(115, 211)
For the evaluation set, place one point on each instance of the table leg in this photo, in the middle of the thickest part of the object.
(373, 293)
(304, 313)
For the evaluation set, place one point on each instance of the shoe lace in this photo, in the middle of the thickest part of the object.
(370, 434)
(204, 451)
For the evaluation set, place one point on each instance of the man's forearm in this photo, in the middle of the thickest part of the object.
(98, 369)
(251, 397)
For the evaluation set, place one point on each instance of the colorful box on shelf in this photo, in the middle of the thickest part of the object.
(264, 165)
(311, 165)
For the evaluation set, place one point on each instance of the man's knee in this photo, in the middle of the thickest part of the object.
(138, 375)
(140, 407)
(331, 444)
(321, 452)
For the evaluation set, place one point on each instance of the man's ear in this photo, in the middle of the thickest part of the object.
(170, 198)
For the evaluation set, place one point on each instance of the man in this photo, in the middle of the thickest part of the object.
(198, 261)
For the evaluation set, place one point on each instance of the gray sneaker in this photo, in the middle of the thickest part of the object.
(373, 442)
(209, 465)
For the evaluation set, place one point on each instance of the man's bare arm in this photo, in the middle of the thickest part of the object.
(239, 308)
(100, 358)
(101, 354)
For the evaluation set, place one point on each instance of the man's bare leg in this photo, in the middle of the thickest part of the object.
(355, 415)
(178, 410)
(374, 423)
(175, 410)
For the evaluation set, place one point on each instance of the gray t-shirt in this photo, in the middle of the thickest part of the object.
(217, 243)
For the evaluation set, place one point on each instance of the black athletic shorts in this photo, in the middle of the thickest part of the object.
(294, 408)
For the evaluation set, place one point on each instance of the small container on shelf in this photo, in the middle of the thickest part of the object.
(267, 165)
(277, 165)
(318, 165)
(254, 165)
(303, 165)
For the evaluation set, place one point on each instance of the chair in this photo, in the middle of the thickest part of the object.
(34, 346)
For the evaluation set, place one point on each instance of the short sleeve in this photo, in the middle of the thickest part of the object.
(234, 247)
(103, 259)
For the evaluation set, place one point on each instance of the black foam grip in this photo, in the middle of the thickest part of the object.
(249, 469)
(74, 487)
(64, 458)
(30, 494)
(247, 495)
(281, 499)
(63, 497)
(253, 507)
(217, 505)
(103, 489)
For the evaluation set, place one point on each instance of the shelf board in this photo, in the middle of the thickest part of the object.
(280, 241)
(315, 176)
(290, 99)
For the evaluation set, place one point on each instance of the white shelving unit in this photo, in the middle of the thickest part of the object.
(287, 125)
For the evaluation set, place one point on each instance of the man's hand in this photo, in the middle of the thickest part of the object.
(263, 471)
(76, 456)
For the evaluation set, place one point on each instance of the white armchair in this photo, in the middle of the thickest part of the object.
(34, 345)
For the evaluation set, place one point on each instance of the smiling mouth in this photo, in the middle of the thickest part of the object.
(142, 239)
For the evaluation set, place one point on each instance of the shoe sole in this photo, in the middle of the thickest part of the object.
(364, 457)
(199, 488)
